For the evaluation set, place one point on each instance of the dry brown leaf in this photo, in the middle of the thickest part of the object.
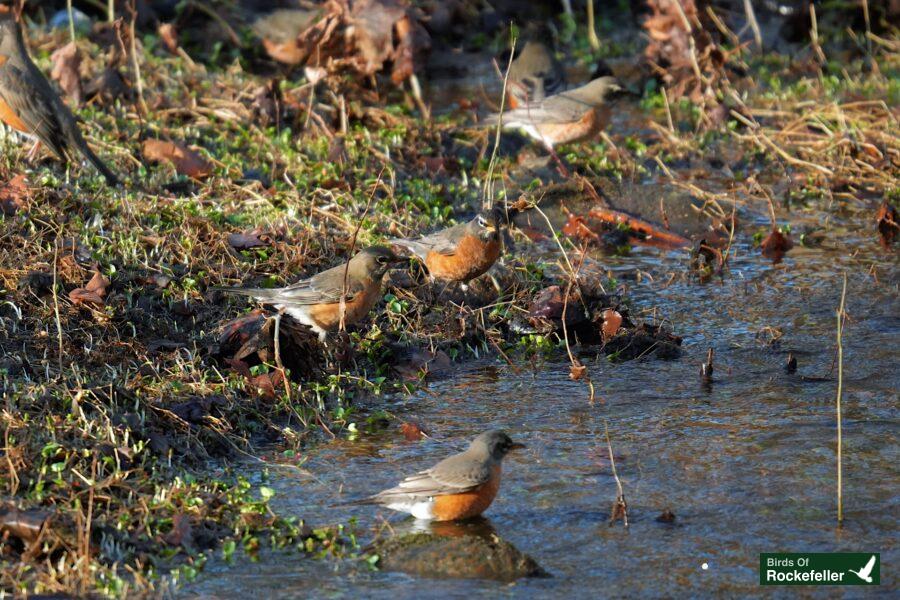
(578, 371)
(92, 293)
(412, 432)
(776, 245)
(14, 195)
(888, 224)
(612, 321)
(169, 36)
(186, 161)
(66, 63)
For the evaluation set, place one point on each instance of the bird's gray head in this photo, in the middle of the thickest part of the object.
(497, 443)
(374, 261)
(602, 88)
(485, 226)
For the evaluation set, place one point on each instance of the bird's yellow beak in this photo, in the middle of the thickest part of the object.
(517, 446)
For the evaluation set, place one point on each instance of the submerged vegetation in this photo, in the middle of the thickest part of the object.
(131, 387)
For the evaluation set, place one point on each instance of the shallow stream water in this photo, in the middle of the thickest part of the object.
(746, 462)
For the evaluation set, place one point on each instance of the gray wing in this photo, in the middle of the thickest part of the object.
(34, 109)
(453, 475)
(327, 286)
(443, 242)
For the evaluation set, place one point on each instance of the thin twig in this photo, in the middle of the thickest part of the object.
(592, 32)
(59, 335)
(754, 26)
(487, 201)
(620, 492)
(840, 386)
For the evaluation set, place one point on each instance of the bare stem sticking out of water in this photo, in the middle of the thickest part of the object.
(840, 386)
(620, 507)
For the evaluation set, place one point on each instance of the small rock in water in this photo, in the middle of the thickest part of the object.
(667, 516)
(466, 556)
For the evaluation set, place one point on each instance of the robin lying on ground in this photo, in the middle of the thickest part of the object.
(29, 104)
(534, 74)
(459, 487)
(462, 252)
(316, 302)
(569, 116)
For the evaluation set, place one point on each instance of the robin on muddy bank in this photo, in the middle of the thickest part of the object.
(459, 487)
(29, 104)
(568, 116)
(462, 252)
(316, 302)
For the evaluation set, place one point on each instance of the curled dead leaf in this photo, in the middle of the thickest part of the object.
(577, 371)
(185, 160)
(92, 293)
(612, 321)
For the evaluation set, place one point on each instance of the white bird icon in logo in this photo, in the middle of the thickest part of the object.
(866, 572)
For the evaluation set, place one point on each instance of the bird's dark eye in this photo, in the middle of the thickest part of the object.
(481, 221)
(381, 260)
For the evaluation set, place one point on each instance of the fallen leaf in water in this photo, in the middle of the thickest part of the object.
(776, 245)
(619, 511)
(412, 432)
(577, 371)
(169, 36)
(186, 161)
(888, 224)
(14, 195)
(92, 293)
(66, 63)
(612, 321)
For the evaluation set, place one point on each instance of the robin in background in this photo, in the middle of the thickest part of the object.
(316, 302)
(29, 104)
(535, 73)
(462, 252)
(569, 116)
(459, 487)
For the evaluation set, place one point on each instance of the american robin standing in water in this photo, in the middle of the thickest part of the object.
(29, 104)
(462, 252)
(316, 302)
(568, 116)
(459, 487)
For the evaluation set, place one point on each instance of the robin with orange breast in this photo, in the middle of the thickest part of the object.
(568, 116)
(29, 104)
(459, 487)
(316, 302)
(462, 252)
